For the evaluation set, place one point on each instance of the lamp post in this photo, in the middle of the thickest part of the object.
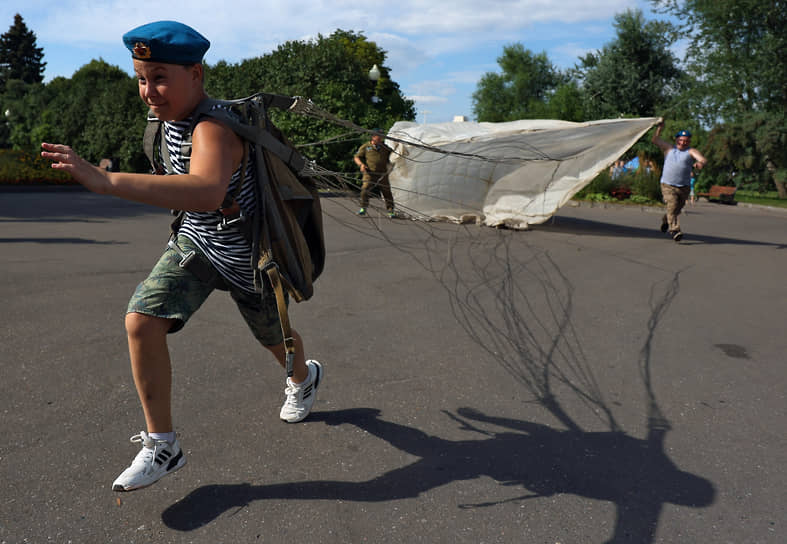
(374, 75)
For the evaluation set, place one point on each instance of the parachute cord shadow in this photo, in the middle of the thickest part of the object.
(534, 345)
(658, 424)
(515, 308)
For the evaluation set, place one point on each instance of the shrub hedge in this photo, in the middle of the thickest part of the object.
(24, 168)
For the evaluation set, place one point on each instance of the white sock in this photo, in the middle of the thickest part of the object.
(169, 437)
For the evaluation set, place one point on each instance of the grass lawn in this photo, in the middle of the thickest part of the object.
(763, 199)
(747, 197)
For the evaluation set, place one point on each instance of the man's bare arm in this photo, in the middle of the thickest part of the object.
(216, 153)
(699, 160)
(657, 139)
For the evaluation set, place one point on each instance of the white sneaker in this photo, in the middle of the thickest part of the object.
(300, 396)
(156, 459)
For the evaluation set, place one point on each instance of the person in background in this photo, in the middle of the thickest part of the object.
(693, 179)
(372, 159)
(679, 161)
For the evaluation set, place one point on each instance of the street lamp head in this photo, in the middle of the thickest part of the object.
(374, 73)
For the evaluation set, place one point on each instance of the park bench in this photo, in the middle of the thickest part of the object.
(721, 193)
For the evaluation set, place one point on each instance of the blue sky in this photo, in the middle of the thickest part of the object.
(437, 50)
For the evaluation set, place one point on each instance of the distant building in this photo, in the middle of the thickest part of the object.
(460, 118)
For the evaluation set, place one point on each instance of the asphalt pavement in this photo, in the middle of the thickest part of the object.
(585, 381)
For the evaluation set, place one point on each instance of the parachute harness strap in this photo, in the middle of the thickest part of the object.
(271, 269)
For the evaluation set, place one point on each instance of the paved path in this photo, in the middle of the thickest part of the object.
(587, 381)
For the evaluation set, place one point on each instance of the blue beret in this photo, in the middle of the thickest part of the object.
(169, 42)
(683, 133)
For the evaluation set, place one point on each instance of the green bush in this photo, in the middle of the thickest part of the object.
(599, 197)
(646, 184)
(23, 168)
(645, 187)
(602, 184)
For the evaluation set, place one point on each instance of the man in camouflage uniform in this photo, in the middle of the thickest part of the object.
(372, 159)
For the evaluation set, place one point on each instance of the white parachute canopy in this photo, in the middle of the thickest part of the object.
(511, 174)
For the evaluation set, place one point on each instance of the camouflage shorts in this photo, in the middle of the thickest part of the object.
(175, 293)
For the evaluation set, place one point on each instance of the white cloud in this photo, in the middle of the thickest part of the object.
(403, 55)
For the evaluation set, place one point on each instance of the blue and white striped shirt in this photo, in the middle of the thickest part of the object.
(227, 250)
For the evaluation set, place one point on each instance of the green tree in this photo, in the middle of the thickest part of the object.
(736, 47)
(635, 74)
(567, 103)
(97, 111)
(521, 91)
(333, 72)
(750, 153)
(19, 56)
(21, 104)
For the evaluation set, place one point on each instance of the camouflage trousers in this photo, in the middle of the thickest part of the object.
(172, 292)
(674, 198)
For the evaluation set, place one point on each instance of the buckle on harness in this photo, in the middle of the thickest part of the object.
(268, 265)
(227, 223)
(185, 258)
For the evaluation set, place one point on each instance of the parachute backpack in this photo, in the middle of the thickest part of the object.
(286, 232)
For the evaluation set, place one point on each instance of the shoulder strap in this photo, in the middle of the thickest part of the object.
(151, 143)
(254, 110)
(156, 149)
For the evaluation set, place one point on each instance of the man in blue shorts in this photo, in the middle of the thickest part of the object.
(167, 59)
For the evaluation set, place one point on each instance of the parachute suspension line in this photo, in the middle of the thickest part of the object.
(333, 181)
(305, 106)
(340, 138)
(347, 184)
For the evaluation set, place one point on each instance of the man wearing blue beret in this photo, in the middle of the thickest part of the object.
(167, 58)
(676, 176)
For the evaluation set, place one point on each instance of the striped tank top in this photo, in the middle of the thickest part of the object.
(227, 250)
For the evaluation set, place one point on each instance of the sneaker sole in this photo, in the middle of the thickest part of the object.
(181, 463)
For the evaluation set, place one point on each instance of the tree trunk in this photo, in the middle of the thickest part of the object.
(778, 180)
(781, 188)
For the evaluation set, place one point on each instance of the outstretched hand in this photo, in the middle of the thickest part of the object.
(66, 159)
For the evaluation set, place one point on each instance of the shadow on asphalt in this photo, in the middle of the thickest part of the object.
(517, 305)
(634, 474)
(75, 206)
(56, 241)
(573, 225)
